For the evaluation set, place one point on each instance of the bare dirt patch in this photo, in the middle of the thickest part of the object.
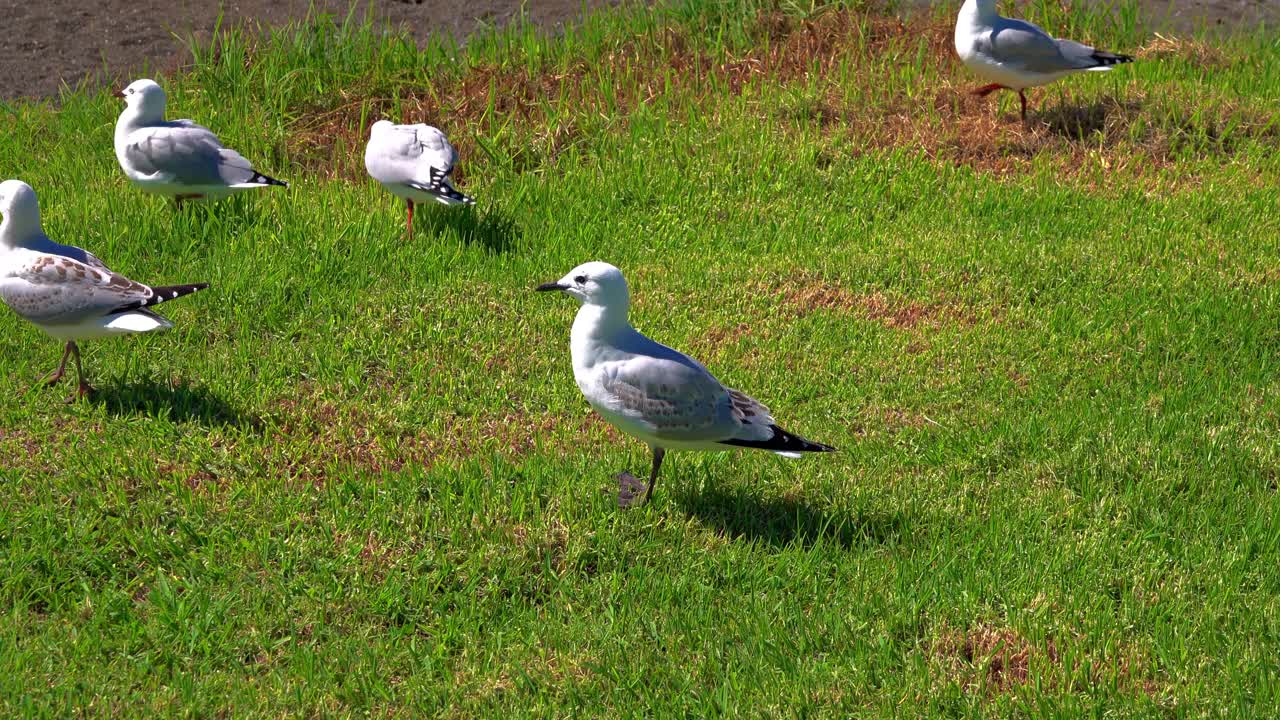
(49, 43)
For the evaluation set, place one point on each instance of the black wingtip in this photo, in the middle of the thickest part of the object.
(163, 293)
(782, 441)
(1108, 59)
(261, 179)
(173, 292)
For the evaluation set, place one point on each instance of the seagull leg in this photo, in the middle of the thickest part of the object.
(1022, 96)
(409, 221)
(55, 377)
(84, 389)
(986, 90)
(658, 454)
(629, 486)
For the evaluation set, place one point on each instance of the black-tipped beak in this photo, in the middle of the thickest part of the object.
(118, 93)
(548, 287)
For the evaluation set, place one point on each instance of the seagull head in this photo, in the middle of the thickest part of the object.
(380, 126)
(145, 96)
(20, 209)
(593, 283)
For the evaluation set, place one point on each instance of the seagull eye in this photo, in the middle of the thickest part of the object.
(581, 279)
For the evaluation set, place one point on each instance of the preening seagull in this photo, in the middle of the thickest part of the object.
(1015, 55)
(414, 162)
(66, 291)
(177, 157)
(657, 395)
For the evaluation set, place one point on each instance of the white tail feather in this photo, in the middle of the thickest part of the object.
(135, 322)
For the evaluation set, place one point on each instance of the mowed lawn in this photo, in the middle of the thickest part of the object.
(358, 480)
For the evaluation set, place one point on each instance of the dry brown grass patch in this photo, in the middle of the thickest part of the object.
(641, 70)
(992, 659)
(1194, 52)
(803, 295)
(14, 438)
(988, 657)
(315, 432)
(540, 113)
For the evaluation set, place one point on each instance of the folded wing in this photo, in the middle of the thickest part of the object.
(54, 290)
(680, 401)
(1022, 46)
(186, 154)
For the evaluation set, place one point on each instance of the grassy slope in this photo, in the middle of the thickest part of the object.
(358, 475)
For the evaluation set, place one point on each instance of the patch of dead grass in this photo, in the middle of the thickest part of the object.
(996, 659)
(803, 294)
(1194, 52)
(315, 432)
(14, 440)
(947, 124)
(992, 659)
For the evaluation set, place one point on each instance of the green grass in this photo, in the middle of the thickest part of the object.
(358, 479)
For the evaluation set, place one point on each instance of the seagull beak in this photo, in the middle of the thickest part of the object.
(548, 287)
(118, 93)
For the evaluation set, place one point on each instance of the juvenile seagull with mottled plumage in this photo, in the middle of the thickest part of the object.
(66, 291)
(177, 158)
(414, 162)
(1015, 55)
(662, 397)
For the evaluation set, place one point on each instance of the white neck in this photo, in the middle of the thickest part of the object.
(132, 118)
(594, 325)
(17, 231)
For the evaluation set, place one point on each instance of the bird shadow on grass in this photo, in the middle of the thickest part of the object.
(783, 522)
(491, 228)
(180, 403)
(1078, 121)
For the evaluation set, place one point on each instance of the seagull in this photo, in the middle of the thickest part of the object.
(413, 162)
(657, 395)
(177, 157)
(1015, 55)
(66, 291)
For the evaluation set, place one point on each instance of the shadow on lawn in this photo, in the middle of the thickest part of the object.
(781, 522)
(181, 403)
(492, 229)
(1079, 121)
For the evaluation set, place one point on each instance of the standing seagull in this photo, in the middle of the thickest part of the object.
(413, 162)
(66, 291)
(1016, 55)
(177, 157)
(653, 393)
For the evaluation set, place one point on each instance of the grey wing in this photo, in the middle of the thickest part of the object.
(672, 400)
(1023, 46)
(749, 411)
(188, 153)
(55, 290)
(1085, 57)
